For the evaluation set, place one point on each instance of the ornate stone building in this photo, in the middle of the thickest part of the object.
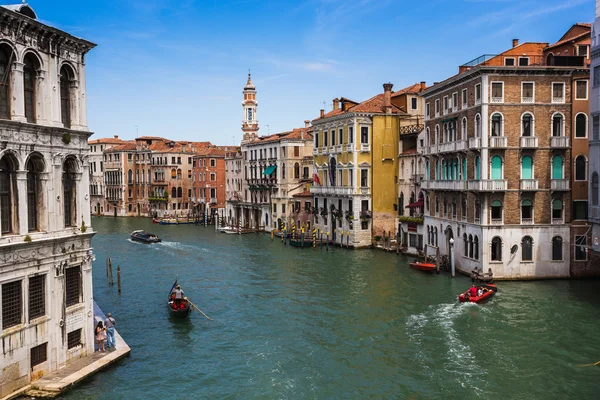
(45, 232)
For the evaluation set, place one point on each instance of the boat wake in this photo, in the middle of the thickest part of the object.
(443, 327)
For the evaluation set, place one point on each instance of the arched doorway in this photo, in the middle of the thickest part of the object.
(98, 208)
(449, 235)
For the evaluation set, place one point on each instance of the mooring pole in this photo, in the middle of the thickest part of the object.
(119, 278)
(452, 256)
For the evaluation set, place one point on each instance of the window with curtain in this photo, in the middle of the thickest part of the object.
(557, 167)
(527, 249)
(477, 125)
(557, 209)
(496, 125)
(557, 244)
(526, 211)
(477, 168)
(496, 210)
(557, 124)
(496, 167)
(527, 167)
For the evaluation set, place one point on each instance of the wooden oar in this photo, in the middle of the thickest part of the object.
(195, 306)
(590, 365)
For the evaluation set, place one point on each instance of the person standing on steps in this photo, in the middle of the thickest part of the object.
(110, 324)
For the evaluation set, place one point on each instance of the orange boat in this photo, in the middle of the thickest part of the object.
(488, 291)
(428, 267)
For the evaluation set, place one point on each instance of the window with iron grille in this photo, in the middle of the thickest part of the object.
(37, 296)
(73, 285)
(74, 338)
(12, 306)
(39, 354)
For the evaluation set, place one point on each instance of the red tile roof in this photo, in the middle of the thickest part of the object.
(296, 133)
(306, 193)
(374, 105)
(416, 88)
(107, 141)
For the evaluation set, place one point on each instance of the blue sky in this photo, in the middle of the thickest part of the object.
(177, 68)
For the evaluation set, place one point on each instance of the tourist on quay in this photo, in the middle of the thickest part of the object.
(100, 336)
(110, 331)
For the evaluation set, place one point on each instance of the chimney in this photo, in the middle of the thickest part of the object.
(336, 103)
(306, 123)
(387, 97)
(116, 136)
(423, 86)
(515, 42)
(322, 113)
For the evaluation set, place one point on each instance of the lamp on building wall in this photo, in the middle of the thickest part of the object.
(89, 256)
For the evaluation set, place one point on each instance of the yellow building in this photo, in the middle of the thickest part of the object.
(356, 166)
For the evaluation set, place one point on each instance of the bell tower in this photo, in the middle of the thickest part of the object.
(249, 123)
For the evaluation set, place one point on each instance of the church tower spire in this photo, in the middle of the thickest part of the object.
(249, 123)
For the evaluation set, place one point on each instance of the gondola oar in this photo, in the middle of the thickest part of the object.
(196, 307)
(596, 364)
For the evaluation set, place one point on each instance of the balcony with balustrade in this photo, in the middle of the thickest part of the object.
(526, 221)
(460, 145)
(559, 142)
(498, 142)
(316, 151)
(447, 147)
(349, 147)
(529, 142)
(488, 185)
(559, 184)
(474, 143)
(365, 147)
(529, 184)
(444, 185)
(339, 148)
(496, 221)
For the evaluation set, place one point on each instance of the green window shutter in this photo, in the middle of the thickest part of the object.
(464, 169)
(527, 168)
(477, 168)
(557, 164)
(496, 167)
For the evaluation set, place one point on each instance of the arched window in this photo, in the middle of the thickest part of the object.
(174, 193)
(6, 60)
(465, 245)
(557, 244)
(496, 167)
(471, 246)
(594, 188)
(527, 125)
(557, 210)
(526, 212)
(557, 167)
(477, 125)
(477, 168)
(581, 125)
(427, 203)
(436, 236)
(69, 192)
(179, 193)
(130, 176)
(527, 249)
(496, 125)
(179, 173)
(9, 206)
(557, 125)
(283, 171)
(30, 67)
(464, 169)
(401, 204)
(66, 77)
(35, 166)
(463, 129)
(580, 168)
(496, 253)
(496, 211)
(296, 171)
(173, 173)
(476, 246)
(137, 176)
(526, 167)
(437, 134)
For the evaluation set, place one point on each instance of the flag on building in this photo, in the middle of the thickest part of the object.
(316, 179)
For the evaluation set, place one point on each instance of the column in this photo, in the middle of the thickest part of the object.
(84, 195)
(41, 116)
(17, 92)
(82, 122)
(44, 209)
(22, 201)
(74, 104)
(79, 198)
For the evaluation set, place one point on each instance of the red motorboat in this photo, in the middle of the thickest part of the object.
(428, 267)
(487, 291)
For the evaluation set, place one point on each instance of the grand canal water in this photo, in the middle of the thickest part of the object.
(297, 324)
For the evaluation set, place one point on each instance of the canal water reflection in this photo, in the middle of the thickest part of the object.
(298, 324)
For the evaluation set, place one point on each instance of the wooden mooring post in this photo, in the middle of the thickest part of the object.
(119, 278)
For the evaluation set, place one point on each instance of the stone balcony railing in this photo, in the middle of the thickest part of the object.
(529, 142)
(331, 190)
(529, 184)
(498, 142)
(339, 148)
(495, 221)
(559, 184)
(444, 185)
(365, 147)
(559, 142)
(557, 221)
(460, 145)
(213, 200)
(316, 151)
(349, 147)
(526, 221)
(475, 143)
(488, 185)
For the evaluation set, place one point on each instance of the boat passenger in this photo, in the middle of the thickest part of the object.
(473, 291)
(479, 291)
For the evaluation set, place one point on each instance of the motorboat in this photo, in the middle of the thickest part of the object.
(487, 291)
(427, 267)
(144, 237)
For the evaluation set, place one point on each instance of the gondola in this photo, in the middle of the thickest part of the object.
(144, 237)
(489, 290)
(427, 267)
(181, 310)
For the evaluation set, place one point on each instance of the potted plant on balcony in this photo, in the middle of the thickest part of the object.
(323, 212)
(336, 214)
(365, 214)
(348, 215)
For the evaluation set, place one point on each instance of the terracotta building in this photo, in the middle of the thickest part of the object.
(208, 192)
(498, 169)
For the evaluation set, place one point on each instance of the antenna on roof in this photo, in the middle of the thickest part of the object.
(324, 104)
(136, 131)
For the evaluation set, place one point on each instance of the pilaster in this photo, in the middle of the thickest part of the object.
(41, 116)
(17, 92)
(22, 193)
